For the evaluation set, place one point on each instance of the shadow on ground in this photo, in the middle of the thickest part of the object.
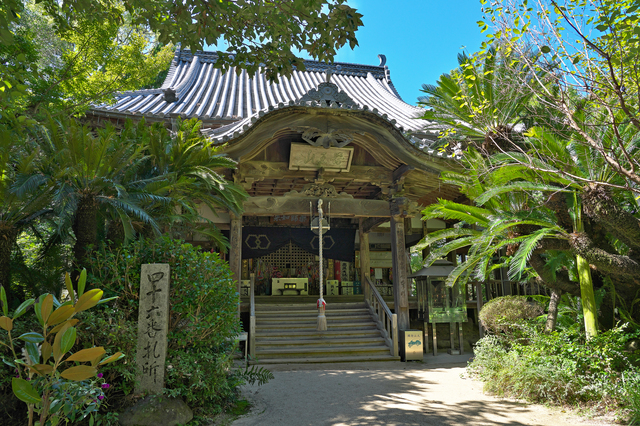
(384, 394)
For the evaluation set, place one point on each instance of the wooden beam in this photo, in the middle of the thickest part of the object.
(401, 172)
(368, 224)
(249, 172)
(340, 207)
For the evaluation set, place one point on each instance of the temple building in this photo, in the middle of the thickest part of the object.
(338, 132)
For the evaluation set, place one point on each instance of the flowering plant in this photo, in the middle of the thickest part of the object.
(67, 395)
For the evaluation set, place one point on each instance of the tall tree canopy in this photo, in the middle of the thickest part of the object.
(108, 43)
(558, 197)
(68, 71)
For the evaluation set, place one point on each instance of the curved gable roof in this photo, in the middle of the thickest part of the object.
(194, 88)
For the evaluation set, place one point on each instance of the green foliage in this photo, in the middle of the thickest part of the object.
(507, 314)
(183, 167)
(36, 268)
(473, 102)
(111, 45)
(254, 374)
(56, 394)
(67, 72)
(135, 180)
(202, 322)
(562, 368)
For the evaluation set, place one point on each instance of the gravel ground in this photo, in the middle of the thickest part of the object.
(432, 392)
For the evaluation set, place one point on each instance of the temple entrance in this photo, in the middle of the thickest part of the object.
(284, 260)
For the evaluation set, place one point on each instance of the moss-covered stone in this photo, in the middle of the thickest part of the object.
(156, 410)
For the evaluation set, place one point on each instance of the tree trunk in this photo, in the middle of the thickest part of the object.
(8, 235)
(115, 233)
(85, 227)
(552, 315)
(588, 298)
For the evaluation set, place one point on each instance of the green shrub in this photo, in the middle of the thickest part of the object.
(631, 387)
(562, 368)
(202, 323)
(508, 314)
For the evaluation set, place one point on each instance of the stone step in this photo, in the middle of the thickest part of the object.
(329, 359)
(334, 325)
(312, 312)
(328, 341)
(286, 333)
(325, 351)
(315, 334)
(353, 319)
(306, 306)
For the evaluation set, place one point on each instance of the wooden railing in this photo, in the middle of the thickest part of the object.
(386, 321)
(252, 319)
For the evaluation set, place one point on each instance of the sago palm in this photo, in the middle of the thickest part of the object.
(481, 102)
(185, 170)
(85, 171)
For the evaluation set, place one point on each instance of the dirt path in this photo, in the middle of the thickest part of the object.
(430, 393)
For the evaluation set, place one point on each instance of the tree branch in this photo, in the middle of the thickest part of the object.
(603, 209)
(561, 281)
(604, 261)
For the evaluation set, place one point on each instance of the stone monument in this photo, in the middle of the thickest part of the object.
(153, 323)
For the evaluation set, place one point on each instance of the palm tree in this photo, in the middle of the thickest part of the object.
(480, 103)
(142, 179)
(180, 172)
(186, 167)
(575, 204)
(85, 171)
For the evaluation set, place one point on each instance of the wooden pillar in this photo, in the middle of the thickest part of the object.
(427, 250)
(365, 269)
(399, 263)
(235, 252)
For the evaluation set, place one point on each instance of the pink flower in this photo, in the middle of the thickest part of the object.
(100, 375)
(106, 386)
(100, 397)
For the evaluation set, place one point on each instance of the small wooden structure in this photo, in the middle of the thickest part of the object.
(439, 303)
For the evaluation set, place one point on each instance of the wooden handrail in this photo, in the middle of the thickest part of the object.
(376, 294)
(387, 322)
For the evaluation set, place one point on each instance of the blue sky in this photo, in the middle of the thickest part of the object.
(420, 38)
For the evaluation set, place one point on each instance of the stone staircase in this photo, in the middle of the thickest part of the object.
(286, 334)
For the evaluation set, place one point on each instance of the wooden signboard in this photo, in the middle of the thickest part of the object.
(307, 157)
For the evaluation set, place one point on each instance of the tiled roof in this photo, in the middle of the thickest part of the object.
(194, 88)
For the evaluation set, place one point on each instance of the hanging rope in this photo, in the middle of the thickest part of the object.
(322, 319)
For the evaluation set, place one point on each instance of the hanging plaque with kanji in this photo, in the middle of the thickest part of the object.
(153, 321)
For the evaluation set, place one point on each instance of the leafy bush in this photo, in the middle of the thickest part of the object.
(508, 314)
(562, 368)
(46, 381)
(202, 324)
